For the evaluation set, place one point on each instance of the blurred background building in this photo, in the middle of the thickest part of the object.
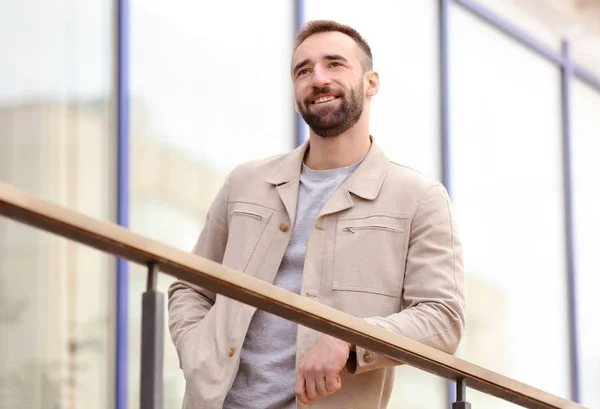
(206, 87)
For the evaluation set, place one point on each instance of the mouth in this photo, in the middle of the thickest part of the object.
(323, 99)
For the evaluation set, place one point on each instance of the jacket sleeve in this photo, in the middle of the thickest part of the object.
(434, 285)
(188, 303)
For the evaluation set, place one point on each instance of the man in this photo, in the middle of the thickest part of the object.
(334, 221)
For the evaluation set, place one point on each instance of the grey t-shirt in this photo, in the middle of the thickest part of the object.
(267, 372)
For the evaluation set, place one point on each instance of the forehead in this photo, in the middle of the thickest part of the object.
(319, 45)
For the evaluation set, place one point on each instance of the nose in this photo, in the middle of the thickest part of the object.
(320, 78)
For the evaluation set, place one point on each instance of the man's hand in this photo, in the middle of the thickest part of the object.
(319, 372)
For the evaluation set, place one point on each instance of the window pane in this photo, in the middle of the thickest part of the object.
(533, 18)
(56, 297)
(203, 100)
(585, 52)
(586, 192)
(404, 118)
(506, 185)
(405, 112)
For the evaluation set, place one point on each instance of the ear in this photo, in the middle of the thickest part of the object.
(372, 83)
(296, 107)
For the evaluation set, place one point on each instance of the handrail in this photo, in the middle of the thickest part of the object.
(111, 238)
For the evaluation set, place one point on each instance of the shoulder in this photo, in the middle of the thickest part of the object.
(426, 199)
(412, 182)
(257, 168)
(250, 181)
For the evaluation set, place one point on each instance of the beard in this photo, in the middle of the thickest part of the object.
(329, 122)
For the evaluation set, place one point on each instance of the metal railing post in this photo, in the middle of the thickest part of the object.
(151, 384)
(461, 395)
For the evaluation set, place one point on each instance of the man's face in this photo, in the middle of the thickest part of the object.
(328, 82)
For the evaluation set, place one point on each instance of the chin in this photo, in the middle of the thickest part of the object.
(330, 132)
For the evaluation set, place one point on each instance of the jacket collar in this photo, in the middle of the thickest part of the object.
(365, 181)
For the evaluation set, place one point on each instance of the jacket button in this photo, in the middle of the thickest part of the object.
(367, 357)
(284, 227)
(231, 352)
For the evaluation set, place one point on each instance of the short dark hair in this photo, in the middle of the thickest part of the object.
(324, 26)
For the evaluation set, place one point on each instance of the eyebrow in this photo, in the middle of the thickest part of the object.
(329, 57)
(335, 57)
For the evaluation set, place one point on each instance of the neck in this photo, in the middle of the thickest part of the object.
(340, 151)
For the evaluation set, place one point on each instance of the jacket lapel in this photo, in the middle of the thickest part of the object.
(288, 193)
(339, 200)
(286, 180)
(365, 182)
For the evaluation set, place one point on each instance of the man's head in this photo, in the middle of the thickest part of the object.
(332, 73)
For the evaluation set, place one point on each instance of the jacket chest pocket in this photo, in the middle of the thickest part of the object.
(247, 225)
(369, 255)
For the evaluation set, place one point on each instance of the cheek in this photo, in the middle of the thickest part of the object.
(300, 94)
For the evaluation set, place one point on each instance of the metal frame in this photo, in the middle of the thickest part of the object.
(445, 156)
(443, 10)
(565, 85)
(299, 20)
(122, 63)
(563, 60)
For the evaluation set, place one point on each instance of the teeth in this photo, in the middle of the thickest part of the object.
(324, 99)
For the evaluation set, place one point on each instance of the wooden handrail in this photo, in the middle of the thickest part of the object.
(111, 238)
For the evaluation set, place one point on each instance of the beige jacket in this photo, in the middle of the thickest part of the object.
(384, 248)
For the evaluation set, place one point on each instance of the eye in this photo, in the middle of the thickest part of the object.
(303, 71)
(335, 64)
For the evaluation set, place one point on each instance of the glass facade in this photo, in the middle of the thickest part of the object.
(211, 90)
(586, 202)
(201, 104)
(506, 184)
(57, 303)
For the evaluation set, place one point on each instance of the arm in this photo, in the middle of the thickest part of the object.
(188, 304)
(434, 285)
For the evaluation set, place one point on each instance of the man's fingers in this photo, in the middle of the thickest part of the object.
(327, 356)
(333, 383)
(311, 389)
(300, 389)
(322, 389)
(304, 399)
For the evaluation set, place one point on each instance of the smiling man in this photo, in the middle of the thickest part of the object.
(334, 221)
